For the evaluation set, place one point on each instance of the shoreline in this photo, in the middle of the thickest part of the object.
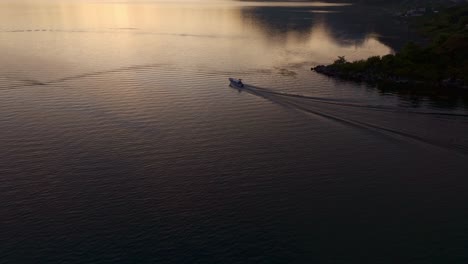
(374, 78)
(442, 63)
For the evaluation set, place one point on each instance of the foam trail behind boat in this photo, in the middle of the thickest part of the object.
(440, 129)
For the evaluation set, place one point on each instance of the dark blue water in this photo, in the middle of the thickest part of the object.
(121, 141)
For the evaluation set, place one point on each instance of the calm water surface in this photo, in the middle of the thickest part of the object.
(121, 141)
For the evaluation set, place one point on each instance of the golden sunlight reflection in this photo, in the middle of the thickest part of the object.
(170, 32)
(325, 46)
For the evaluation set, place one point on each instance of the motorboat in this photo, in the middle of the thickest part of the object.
(236, 83)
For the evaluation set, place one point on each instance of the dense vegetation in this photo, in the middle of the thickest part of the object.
(443, 62)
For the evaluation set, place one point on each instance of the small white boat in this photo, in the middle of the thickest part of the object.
(236, 83)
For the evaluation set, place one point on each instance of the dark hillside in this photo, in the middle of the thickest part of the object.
(442, 63)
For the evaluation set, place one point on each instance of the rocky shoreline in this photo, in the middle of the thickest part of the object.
(374, 77)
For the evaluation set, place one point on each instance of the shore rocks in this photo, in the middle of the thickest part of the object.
(373, 77)
(365, 76)
(327, 70)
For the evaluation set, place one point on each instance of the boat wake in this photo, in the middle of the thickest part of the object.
(12, 83)
(441, 129)
(340, 102)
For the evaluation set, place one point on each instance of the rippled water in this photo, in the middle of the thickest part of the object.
(121, 140)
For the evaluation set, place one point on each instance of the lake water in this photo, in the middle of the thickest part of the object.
(121, 141)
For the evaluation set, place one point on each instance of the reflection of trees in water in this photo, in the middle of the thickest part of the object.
(349, 25)
(346, 24)
(417, 96)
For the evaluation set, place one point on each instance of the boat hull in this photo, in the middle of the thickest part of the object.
(236, 83)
